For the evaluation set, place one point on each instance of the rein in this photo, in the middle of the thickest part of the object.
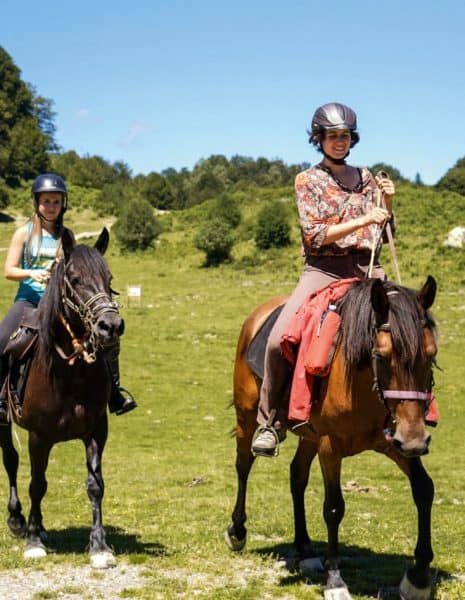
(377, 237)
(89, 312)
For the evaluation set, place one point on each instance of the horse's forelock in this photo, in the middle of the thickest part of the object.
(85, 259)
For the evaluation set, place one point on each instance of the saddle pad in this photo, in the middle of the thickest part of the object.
(256, 351)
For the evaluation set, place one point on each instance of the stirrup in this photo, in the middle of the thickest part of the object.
(260, 452)
(124, 401)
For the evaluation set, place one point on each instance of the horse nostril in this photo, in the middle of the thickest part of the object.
(103, 326)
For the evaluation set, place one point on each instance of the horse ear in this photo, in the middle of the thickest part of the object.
(67, 243)
(379, 302)
(103, 240)
(427, 293)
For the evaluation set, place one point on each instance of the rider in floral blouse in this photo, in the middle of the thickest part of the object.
(339, 219)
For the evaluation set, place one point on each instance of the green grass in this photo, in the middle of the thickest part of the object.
(169, 466)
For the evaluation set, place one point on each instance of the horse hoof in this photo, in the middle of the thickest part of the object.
(337, 594)
(17, 528)
(234, 544)
(35, 551)
(102, 560)
(408, 591)
(311, 564)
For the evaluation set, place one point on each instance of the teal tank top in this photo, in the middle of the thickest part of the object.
(40, 258)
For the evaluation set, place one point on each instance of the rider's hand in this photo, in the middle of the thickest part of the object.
(376, 215)
(40, 275)
(386, 185)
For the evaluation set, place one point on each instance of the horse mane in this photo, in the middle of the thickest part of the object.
(407, 318)
(84, 261)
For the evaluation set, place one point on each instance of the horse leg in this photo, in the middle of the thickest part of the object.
(333, 512)
(236, 533)
(16, 521)
(416, 583)
(101, 556)
(39, 452)
(299, 473)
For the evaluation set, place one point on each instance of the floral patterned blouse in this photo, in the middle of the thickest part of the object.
(322, 202)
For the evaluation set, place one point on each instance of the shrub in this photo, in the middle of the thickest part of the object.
(137, 227)
(273, 229)
(215, 238)
(4, 195)
(226, 208)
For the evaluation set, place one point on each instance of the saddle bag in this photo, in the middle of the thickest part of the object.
(321, 350)
(23, 339)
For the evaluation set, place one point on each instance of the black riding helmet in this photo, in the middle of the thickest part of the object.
(49, 182)
(333, 116)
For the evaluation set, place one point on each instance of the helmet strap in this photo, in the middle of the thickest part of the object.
(335, 161)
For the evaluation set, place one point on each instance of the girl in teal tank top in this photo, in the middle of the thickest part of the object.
(33, 249)
(41, 258)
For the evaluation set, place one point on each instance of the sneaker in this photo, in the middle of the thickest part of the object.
(266, 442)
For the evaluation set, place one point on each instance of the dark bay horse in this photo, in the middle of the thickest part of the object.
(380, 381)
(67, 389)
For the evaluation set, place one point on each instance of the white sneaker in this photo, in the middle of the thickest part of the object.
(266, 442)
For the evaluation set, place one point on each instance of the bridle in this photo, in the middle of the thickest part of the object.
(402, 395)
(89, 312)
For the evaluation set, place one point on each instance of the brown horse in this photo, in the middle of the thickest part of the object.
(386, 352)
(67, 389)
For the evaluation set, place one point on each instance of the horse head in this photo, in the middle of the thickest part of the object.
(403, 356)
(79, 295)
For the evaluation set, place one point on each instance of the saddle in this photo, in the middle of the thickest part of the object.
(20, 351)
(319, 354)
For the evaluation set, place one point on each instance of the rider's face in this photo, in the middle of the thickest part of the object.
(49, 205)
(336, 143)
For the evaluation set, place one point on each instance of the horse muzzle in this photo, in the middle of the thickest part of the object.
(413, 446)
(108, 327)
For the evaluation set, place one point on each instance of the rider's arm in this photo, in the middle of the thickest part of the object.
(13, 270)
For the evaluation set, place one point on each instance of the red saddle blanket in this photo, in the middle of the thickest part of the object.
(297, 345)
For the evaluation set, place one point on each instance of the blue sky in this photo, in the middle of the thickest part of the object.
(164, 83)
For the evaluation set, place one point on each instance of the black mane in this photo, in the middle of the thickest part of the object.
(87, 264)
(407, 318)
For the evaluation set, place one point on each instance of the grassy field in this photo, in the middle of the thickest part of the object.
(169, 466)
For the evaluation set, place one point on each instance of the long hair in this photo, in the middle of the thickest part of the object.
(36, 233)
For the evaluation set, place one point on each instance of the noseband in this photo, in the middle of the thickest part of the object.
(401, 395)
(89, 312)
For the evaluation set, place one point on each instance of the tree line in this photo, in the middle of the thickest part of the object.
(28, 147)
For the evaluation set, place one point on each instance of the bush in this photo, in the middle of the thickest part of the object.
(4, 195)
(226, 208)
(216, 239)
(273, 229)
(137, 227)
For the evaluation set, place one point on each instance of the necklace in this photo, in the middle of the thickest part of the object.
(356, 188)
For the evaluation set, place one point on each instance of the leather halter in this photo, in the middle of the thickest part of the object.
(89, 312)
(401, 395)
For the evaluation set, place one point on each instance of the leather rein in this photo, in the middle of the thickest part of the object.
(89, 312)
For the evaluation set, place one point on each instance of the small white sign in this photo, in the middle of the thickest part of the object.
(134, 295)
